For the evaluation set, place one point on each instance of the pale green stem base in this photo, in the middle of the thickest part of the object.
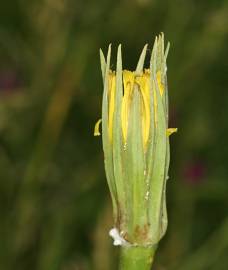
(137, 258)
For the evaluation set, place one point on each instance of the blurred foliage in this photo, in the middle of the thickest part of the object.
(54, 201)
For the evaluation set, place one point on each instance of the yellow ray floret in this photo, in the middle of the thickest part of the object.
(170, 131)
(111, 101)
(96, 128)
(128, 84)
(144, 87)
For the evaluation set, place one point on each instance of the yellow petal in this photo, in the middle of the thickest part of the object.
(144, 85)
(170, 131)
(128, 83)
(96, 128)
(111, 94)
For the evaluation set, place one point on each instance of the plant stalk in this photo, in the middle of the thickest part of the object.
(137, 258)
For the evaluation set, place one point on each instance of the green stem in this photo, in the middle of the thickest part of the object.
(135, 258)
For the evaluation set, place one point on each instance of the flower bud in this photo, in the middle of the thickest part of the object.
(135, 137)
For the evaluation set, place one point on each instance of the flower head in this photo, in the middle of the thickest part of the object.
(135, 138)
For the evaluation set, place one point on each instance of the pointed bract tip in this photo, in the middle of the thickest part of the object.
(119, 51)
(109, 50)
(108, 57)
(167, 50)
(119, 59)
(141, 61)
(145, 46)
(102, 56)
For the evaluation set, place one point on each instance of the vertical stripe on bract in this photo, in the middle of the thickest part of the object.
(118, 143)
(107, 148)
(135, 154)
(111, 102)
(128, 83)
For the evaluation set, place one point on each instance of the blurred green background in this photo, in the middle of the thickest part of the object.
(55, 209)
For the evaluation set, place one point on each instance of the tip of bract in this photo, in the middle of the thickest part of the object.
(141, 61)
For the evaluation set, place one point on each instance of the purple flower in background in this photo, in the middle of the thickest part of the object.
(9, 81)
(194, 172)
